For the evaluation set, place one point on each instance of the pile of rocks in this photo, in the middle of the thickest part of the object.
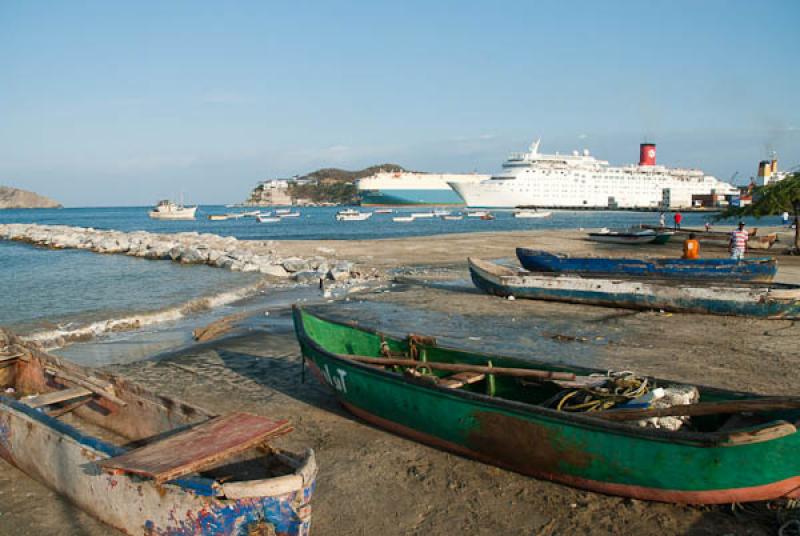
(187, 248)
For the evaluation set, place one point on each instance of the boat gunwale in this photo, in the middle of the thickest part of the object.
(695, 439)
(747, 260)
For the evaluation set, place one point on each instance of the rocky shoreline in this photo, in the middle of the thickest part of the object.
(191, 248)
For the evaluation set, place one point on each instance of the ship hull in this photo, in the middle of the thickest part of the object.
(396, 197)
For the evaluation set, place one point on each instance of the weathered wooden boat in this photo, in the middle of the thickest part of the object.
(498, 410)
(145, 463)
(752, 269)
(756, 300)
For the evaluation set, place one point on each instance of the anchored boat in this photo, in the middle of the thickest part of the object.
(761, 269)
(168, 210)
(757, 300)
(504, 411)
(146, 463)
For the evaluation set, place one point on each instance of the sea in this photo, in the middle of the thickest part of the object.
(68, 296)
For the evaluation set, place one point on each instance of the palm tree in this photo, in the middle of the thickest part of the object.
(775, 198)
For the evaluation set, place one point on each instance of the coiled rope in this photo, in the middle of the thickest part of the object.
(621, 387)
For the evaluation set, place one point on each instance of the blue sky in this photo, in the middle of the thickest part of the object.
(110, 103)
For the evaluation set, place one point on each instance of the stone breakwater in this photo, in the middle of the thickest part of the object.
(188, 248)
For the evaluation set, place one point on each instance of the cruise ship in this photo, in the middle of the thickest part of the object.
(579, 180)
(411, 188)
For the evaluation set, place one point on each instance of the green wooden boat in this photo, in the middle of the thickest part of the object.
(735, 447)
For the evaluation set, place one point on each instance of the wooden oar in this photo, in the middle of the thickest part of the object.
(460, 367)
(702, 408)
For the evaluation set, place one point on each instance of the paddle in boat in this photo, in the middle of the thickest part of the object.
(657, 440)
(147, 463)
(761, 269)
(757, 300)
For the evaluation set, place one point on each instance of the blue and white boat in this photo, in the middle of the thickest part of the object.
(761, 301)
(762, 269)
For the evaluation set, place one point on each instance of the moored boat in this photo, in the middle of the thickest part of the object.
(453, 217)
(350, 214)
(218, 217)
(147, 463)
(511, 413)
(267, 218)
(532, 214)
(403, 219)
(756, 300)
(168, 210)
(761, 269)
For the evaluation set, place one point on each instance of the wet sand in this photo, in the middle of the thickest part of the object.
(373, 482)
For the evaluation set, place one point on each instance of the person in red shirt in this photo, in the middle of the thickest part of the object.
(677, 217)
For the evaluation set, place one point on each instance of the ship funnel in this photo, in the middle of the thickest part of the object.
(647, 154)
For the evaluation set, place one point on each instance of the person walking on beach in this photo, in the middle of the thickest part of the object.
(738, 243)
(662, 220)
(691, 248)
(677, 217)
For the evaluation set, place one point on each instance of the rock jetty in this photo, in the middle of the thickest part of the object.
(16, 198)
(186, 248)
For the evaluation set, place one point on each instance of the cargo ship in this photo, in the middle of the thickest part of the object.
(412, 188)
(581, 181)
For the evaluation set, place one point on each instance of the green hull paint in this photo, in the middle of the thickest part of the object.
(511, 431)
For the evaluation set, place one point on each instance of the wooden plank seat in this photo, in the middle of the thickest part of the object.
(64, 395)
(461, 379)
(197, 448)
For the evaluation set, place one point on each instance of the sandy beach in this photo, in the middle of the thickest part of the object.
(373, 482)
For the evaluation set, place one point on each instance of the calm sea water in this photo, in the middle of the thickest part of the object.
(45, 288)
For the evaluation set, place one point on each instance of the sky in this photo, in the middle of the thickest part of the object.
(124, 103)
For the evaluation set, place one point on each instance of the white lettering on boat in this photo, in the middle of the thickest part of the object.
(338, 383)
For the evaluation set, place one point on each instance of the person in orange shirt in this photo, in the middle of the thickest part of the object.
(691, 248)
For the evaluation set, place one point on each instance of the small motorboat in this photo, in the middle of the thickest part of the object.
(477, 213)
(350, 214)
(531, 214)
(287, 214)
(383, 211)
(404, 219)
(218, 217)
(423, 214)
(440, 213)
(267, 219)
(452, 217)
(488, 216)
(168, 210)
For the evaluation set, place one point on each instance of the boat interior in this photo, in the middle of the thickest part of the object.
(122, 420)
(767, 418)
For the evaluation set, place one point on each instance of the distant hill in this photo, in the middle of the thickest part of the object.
(336, 174)
(16, 198)
(333, 185)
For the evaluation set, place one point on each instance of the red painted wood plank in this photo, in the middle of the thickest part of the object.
(199, 447)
